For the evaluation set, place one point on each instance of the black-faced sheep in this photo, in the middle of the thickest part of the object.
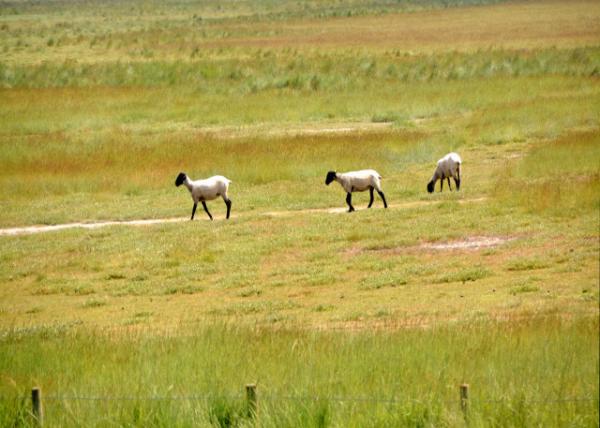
(357, 181)
(206, 190)
(448, 166)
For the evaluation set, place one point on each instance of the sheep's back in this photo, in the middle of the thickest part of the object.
(449, 164)
(211, 187)
(360, 180)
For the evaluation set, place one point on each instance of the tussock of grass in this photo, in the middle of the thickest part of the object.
(465, 275)
(186, 289)
(521, 264)
(94, 303)
(525, 288)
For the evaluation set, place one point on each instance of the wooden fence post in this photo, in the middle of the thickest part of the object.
(464, 398)
(251, 399)
(36, 406)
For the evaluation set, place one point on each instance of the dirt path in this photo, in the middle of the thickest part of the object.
(343, 209)
(28, 230)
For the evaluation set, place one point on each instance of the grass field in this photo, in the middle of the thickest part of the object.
(365, 319)
(306, 378)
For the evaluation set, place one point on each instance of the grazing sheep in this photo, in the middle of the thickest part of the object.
(206, 190)
(357, 181)
(448, 166)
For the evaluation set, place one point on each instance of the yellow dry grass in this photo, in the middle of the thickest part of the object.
(515, 25)
(530, 24)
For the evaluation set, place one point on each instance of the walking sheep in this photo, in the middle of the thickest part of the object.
(448, 166)
(358, 181)
(206, 190)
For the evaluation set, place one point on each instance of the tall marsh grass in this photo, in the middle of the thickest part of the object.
(235, 71)
(533, 372)
(561, 177)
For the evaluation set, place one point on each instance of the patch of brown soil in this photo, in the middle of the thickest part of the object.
(472, 243)
(27, 230)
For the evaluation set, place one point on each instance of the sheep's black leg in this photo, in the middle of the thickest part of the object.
(349, 202)
(228, 203)
(457, 181)
(383, 199)
(194, 210)
(449, 186)
(441, 184)
(206, 209)
(371, 194)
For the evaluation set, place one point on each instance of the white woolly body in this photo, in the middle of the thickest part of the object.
(208, 189)
(359, 181)
(448, 166)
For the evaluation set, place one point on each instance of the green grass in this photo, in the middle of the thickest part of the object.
(518, 373)
(42, 145)
(341, 319)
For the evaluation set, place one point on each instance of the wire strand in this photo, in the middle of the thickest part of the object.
(275, 397)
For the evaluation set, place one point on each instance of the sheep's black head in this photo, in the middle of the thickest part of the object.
(430, 186)
(180, 179)
(457, 184)
(330, 177)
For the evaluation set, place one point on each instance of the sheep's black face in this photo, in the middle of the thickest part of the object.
(457, 184)
(430, 186)
(330, 177)
(180, 179)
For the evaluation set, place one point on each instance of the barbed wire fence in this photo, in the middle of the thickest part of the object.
(251, 400)
(251, 397)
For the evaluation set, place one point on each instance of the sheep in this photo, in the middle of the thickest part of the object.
(357, 181)
(206, 190)
(448, 166)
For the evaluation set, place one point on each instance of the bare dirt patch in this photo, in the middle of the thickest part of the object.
(344, 209)
(27, 230)
(473, 243)
(262, 130)
(307, 129)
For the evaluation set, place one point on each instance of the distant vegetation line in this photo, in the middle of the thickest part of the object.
(215, 10)
(272, 69)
